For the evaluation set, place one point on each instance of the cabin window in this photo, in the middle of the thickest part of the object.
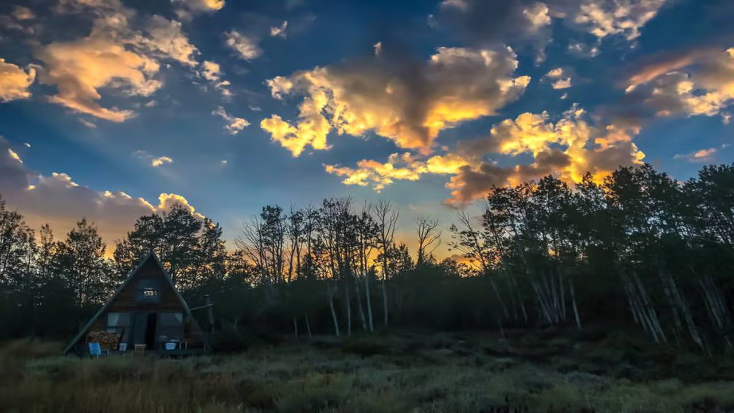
(119, 323)
(170, 327)
(149, 291)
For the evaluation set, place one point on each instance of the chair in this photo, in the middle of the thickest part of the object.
(95, 350)
(139, 349)
(122, 348)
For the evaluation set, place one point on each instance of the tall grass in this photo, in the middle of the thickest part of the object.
(418, 374)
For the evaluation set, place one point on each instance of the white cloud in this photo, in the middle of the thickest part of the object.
(166, 39)
(279, 31)
(245, 46)
(378, 48)
(604, 18)
(234, 124)
(14, 82)
(57, 200)
(89, 124)
(159, 161)
(583, 50)
(155, 162)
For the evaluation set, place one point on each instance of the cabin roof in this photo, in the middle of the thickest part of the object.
(150, 256)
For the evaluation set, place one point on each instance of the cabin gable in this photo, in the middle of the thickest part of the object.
(145, 309)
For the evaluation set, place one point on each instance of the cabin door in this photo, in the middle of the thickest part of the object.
(144, 329)
(150, 330)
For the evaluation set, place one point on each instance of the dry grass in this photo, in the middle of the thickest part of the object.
(417, 374)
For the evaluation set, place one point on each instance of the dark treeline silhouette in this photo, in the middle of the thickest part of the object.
(639, 251)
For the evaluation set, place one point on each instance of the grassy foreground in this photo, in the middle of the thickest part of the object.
(438, 373)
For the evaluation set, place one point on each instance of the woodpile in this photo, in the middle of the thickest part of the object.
(105, 339)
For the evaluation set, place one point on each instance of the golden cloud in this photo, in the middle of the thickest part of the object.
(399, 167)
(559, 78)
(408, 104)
(14, 82)
(120, 53)
(159, 161)
(80, 68)
(706, 89)
(568, 149)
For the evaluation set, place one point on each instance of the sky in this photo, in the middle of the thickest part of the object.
(113, 109)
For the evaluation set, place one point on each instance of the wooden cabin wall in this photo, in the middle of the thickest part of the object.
(127, 302)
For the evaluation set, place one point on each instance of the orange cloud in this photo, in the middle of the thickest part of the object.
(568, 149)
(121, 53)
(80, 68)
(705, 88)
(408, 105)
(14, 82)
(403, 167)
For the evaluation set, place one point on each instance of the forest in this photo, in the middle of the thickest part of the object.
(639, 251)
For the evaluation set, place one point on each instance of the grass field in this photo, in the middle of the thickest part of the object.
(542, 372)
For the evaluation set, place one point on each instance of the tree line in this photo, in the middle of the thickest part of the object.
(639, 250)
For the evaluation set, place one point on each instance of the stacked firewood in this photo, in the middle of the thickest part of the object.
(105, 339)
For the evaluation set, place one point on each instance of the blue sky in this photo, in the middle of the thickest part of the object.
(231, 105)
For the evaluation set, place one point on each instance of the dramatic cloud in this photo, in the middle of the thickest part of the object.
(558, 78)
(80, 68)
(234, 124)
(59, 201)
(398, 167)
(567, 148)
(408, 103)
(706, 87)
(14, 82)
(245, 46)
(671, 63)
(121, 53)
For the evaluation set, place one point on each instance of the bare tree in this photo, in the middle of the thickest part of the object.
(428, 238)
(386, 217)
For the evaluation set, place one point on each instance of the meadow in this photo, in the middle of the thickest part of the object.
(544, 371)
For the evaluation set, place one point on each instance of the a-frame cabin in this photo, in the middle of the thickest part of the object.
(146, 309)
